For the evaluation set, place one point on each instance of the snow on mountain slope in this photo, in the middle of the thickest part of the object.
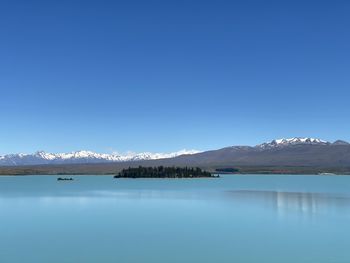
(42, 157)
(292, 141)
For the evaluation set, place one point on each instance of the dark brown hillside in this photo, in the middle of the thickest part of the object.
(289, 159)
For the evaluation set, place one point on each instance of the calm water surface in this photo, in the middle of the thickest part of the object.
(244, 219)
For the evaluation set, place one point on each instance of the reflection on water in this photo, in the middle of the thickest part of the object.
(299, 202)
(99, 219)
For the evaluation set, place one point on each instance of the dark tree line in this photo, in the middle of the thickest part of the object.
(227, 170)
(162, 172)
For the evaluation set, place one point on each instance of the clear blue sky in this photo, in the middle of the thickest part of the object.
(166, 75)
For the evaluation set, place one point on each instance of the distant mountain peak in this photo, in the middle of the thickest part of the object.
(340, 142)
(83, 156)
(292, 141)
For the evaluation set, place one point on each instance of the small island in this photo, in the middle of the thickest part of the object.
(163, 172)
(65, 179)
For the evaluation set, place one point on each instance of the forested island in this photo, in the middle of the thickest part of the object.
(163, 172)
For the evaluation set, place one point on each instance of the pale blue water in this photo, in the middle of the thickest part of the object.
(244, 219)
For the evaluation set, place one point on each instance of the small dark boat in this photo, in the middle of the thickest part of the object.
(65, 179)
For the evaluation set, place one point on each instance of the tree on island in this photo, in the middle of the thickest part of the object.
(163, 172)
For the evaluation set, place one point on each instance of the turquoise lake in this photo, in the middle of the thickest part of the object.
(243, 219)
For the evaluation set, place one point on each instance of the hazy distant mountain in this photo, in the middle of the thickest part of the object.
(294, 152)
(42, 157)
(283, 152)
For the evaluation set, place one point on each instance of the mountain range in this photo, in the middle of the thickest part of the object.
(41, 157)
(283, 152)
(294, 155)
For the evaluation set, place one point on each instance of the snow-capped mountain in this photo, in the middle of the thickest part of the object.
(42, 157)
(289, 151)
(292, 141)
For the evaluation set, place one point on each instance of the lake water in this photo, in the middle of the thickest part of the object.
(243, 219)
